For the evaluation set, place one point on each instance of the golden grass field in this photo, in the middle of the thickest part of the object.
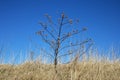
(90, 66)
(85, 70)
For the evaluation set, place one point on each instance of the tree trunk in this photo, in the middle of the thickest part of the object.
(56, 60)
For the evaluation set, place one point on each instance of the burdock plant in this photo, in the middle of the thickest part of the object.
(52, 33)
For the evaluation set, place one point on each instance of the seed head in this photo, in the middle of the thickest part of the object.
(62, 15)
(70, 21)
(77, 20)
(84, 28)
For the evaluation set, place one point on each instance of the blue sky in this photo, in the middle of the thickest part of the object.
(19, 20)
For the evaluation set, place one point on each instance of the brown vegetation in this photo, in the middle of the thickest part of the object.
(85, 70)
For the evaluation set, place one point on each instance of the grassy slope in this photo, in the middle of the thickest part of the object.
(75, 71)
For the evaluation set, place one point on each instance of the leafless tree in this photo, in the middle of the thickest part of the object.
(52, 34)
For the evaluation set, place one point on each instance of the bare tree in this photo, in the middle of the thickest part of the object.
(52, 34)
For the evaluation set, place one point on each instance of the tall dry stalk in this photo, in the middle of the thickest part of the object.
(53, 35)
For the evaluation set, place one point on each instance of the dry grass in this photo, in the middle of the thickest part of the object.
(93, 67)
(85, 70)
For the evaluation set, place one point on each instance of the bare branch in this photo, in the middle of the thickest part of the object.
(75, 32)
(86, 49)
(61, 24)
(44, 39)
(69, 53)
(49, 18)
(85, 41)
(65, 54)
(79, 55)
(52, 24)
(70, 21)
(66, 23)
(45, 28)
(47, 53)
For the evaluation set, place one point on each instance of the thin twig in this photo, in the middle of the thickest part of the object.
(74, 45)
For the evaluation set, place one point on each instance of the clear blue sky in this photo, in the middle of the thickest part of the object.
(19, 19)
